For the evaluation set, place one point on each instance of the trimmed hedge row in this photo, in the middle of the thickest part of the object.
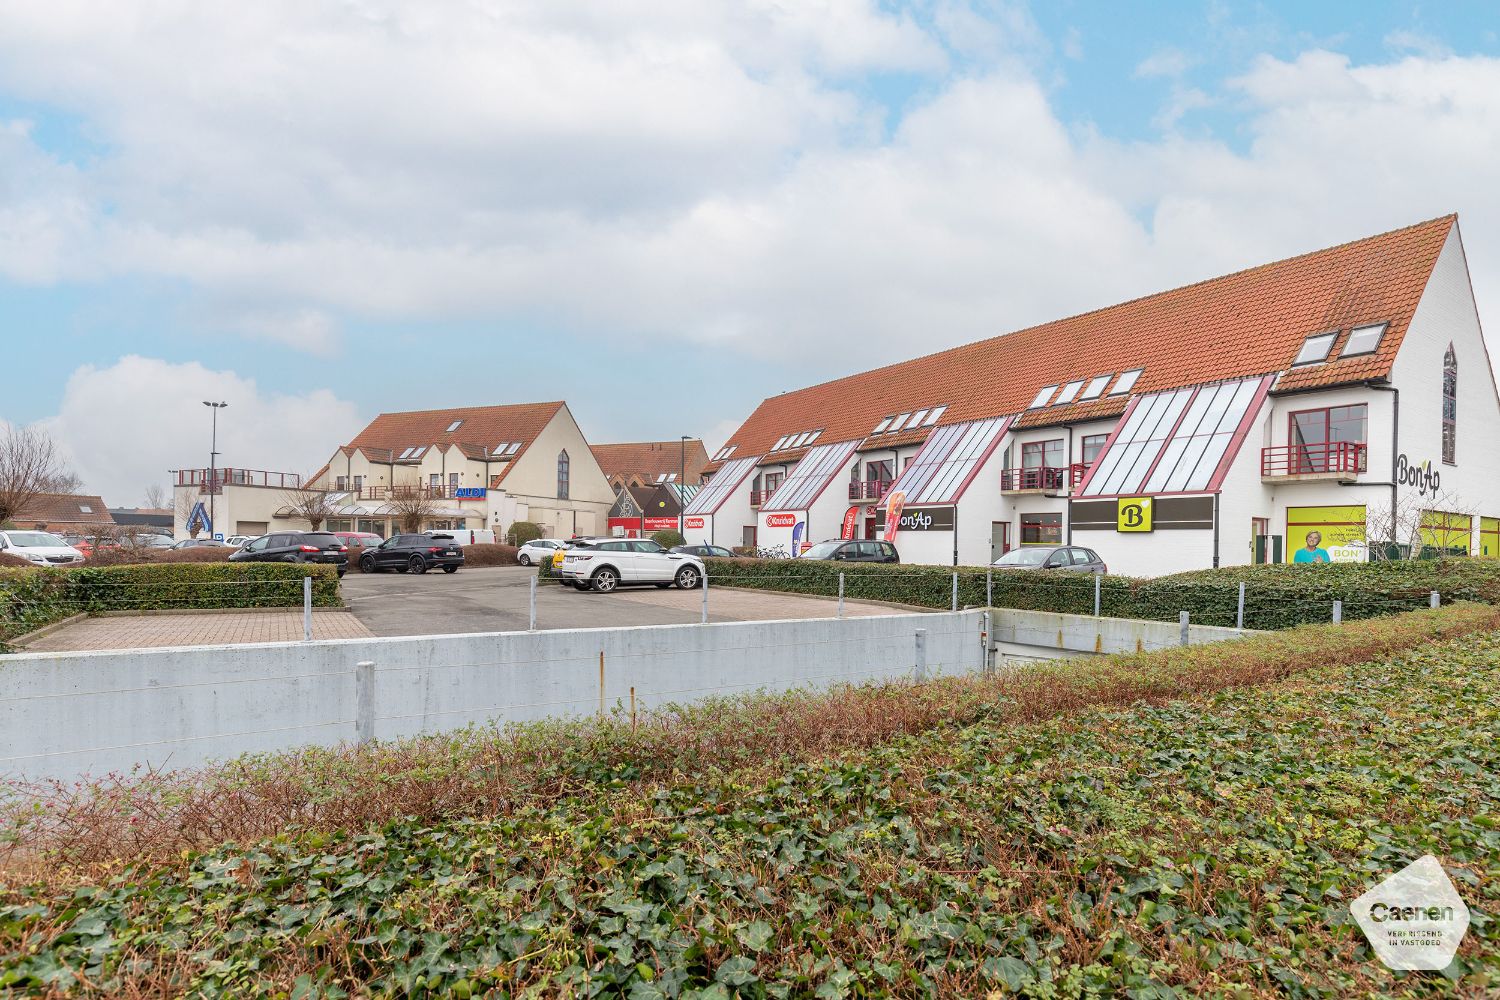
(1275, 596)
(32, 598)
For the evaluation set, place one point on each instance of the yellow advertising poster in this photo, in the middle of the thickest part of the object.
(1489, 538)
(1442, 530)
(1325, 534)
(1133, 514)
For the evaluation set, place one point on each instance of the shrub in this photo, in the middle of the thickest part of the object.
(490, 555)
(522, 532)
(668, 538)
(6, 559)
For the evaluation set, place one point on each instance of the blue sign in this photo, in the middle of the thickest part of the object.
(198, 520)
(469, 493)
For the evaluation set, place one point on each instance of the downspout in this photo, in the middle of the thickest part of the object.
(1395, 446)
(1068, 472)
(1216, 530)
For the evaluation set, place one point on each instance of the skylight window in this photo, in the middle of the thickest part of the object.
(780, 443)
(1315, 349)
(917, 418)
(813, 436)
(724, 453)
(1069, 393)
(1042, 397)
(454, 426)
(513, 447)
(1096, 385)
(84, 509)
(1126, 382)
(1364, 339)
(934, 416)
(880, 427)
(899, 422)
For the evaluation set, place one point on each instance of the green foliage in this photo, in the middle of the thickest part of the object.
(1276, 596)
(1162, 849)
(668, 538)
(487, 554)
(32, 598)
(522, 532)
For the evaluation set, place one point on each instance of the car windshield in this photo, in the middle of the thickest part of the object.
(29, 539)
(822, 550)
(1024, 557)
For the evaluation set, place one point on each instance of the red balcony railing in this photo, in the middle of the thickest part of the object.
(758, 497)
(219, 478)
(1045, 477)
(1337, 457)
(870, 489)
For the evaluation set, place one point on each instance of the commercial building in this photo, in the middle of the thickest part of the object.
(1316, 408)
(482, 467)
(640, 511)
(646, 463)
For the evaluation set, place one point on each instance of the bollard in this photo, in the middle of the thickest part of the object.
(531, 627)
(1433, 600)
(1239, 614)
(601, 683)
(984, 645)
(841, 595)
(989, 587)
(921, 670)
(1183, 620)
(307, 609)
(364, 702)
(1338, 612)
(955, 591)
(704, 584)
(1098, 583)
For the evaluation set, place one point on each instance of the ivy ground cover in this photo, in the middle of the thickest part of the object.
(1206, 846)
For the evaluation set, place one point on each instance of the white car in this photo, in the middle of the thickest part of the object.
(40, 547)
(612, 562)
(238, 541)
(538, 550)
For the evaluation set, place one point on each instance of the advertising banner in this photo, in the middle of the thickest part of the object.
(1325, 534)
(661, 524)
(895, 503)
(851, 523)
(693, 523)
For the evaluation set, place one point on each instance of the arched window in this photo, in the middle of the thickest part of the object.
(562, 475)
(1450, 407)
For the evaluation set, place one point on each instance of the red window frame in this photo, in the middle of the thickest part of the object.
(1302, 457)
(1040, 448)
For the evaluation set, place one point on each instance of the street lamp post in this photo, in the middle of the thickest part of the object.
(682, 485)
(213, 456)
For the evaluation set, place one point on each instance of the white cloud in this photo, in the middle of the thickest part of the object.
(1167, 62)
(125, 425)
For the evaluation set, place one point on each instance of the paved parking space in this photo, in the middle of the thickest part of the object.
(148, 631)
(496, 599)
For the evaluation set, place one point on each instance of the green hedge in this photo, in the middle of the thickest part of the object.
(1275, 596)
(33, 598)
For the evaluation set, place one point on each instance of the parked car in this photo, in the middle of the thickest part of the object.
(706, 551)
(414, 554)
(88, 543)
(321, 547)
(538, 550)
(867, 550)
(608, 563)
(40, 547)
(1065, 557)
(359, 539)
(567, 543)
(194, 543)
(238, 541)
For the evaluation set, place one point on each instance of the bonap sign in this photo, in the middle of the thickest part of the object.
(1424, 477)
(1414, 919)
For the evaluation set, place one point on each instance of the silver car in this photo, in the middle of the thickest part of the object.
(1064, 557)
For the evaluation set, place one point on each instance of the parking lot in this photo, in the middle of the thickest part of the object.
(496, 599)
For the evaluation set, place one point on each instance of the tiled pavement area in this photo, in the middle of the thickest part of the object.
(143, 631)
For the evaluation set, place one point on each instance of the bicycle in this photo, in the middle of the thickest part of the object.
(779, 552)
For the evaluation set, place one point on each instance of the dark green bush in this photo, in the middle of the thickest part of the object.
(668, 538)
(522, 532)
(32, 598)
(1275, 596)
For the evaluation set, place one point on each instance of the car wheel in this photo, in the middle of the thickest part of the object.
(604, 580)
(523, 559)
(688, 578)
(416, 564)
(450, 569)
(367, 565)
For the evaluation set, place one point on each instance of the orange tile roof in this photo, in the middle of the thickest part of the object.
(1248, 323)
(482, 427)
(57, 509)
(651, 458)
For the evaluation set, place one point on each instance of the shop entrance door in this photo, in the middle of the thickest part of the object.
(1260, 548)
(999, 539)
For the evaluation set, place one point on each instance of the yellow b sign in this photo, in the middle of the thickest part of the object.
(1134, 514)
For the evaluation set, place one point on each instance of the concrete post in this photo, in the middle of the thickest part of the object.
(955, 591)
(984, 645)
(1433, 600)
(1338, 612)
(1239, 613)
(364, 701)
(532, 621)
(989, 587)
(1182, 618)
(921, 667)
(307, 609)
(841, 595)
(704, 585)
(1098, 585)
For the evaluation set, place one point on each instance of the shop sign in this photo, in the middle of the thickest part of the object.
(469, 493)
(781, 520)
(661, 523)
(1133, 514)
(925, 519)
(851, 522)
(694, 522)
(1424, 477)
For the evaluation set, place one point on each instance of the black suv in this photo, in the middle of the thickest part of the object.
(706, 551)
(414, 554)
(854, 550)
(296, 547)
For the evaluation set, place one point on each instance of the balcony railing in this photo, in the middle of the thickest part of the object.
(1045, 478)
(870, 489)
(1333, 458)
(442, 492)
(217, 479)
(758, 497)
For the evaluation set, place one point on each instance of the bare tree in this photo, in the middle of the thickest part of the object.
(30, 466)
(183, 509)
(312, 506)
(1440, 521)
(411, 507)
(156, 496)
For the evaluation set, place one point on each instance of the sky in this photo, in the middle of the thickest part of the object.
(662, 211)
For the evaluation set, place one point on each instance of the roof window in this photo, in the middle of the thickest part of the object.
(1364, 339)
(934, 415)
(880, 427)
(1042, 397)
(1126, 382)
(1069, 393)
(1096, 385)
(454, 426)
(1315, 348)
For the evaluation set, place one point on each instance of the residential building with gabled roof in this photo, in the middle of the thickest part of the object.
(1314, 397)
(646, 463)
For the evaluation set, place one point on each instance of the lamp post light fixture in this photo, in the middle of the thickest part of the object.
(213, 465)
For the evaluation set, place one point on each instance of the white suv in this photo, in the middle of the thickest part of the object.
(538, 550)
(608, 563)
(40, 547)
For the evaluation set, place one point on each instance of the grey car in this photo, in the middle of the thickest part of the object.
(1064, 557)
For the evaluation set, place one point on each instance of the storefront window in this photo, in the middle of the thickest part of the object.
(1042, 454)
(1041, 529)
(338, 524)
(372, 526)
(1093, 444)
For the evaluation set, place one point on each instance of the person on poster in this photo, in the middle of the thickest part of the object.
(1314, 552)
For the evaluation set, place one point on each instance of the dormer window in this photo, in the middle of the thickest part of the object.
(1315, 349)
(1042, 397)
(1364, 340)
(1069, 393)
(1126, 382)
